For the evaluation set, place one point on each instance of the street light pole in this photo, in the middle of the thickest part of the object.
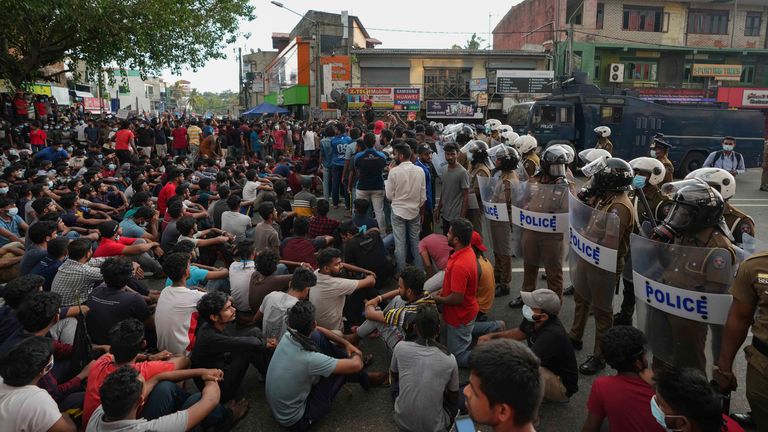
(318, 46)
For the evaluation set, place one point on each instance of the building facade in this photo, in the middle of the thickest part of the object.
(447, 84)
(670, 51)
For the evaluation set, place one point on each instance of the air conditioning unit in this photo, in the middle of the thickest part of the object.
(616, 73)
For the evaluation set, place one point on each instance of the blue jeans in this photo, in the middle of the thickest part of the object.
(484, 327)
(406, 234)
(336, 184)
(458, 339)
(167, 397)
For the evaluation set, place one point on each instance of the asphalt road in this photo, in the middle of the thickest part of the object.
(358, 410)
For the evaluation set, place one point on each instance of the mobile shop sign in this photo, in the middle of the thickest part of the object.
(593, 253)
(524, 81)
(697, 306)
(478, 84)
(406, 99)
(541, 222)
(496, 211)
(453, 109)
(755, 98)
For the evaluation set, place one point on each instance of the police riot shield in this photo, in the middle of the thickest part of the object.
(682, 299)
(494, 192)
(751, 246)
(594, 241)
(540, 213)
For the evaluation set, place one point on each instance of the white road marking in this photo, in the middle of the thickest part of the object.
(520, 270)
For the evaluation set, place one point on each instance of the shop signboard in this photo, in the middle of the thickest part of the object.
(385, 98)
(720, 72)
(453, 109)
(478, 84)
(755, 98)
(524, 81)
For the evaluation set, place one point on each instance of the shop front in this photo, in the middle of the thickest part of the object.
(745, 98)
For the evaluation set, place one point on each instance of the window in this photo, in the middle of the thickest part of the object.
(124, 88)
(640, 71)
(753, 23)
(610, 114)
(544, 115)
(149, 91)
(637, 18)
(597, 76)
(708, 22)
(575, 15)
(600, 16)
(747, 74)
(446, 83)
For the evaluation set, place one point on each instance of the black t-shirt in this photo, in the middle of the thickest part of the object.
(146, 137)
(234, 138)
(109, 306)
(551, 345)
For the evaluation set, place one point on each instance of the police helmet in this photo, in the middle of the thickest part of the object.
(649, 166)
(554, 161)
(697, 205)
(603, 131)
(718, 178)
(507, 157)
(526, 143)
(592, 154)
(569, 150)
(510, 136)
(492, 124)
(616, 176)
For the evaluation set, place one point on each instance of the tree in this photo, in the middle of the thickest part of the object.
(474, 43)
(144, 35)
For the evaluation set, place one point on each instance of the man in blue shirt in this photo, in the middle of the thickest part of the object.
(49, 265)
(326, 158)
(423, 161)
(52, 153)
(370, 165)
(339, 145)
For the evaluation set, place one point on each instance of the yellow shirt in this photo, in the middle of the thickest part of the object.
(486, 287)
(194, 133)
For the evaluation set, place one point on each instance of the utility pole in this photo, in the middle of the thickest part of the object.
(240, 75)
(571, 33)
(318, 67)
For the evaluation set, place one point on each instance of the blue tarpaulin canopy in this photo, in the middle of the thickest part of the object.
(265, 108)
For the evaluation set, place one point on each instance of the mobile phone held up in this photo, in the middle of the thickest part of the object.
(463, 424)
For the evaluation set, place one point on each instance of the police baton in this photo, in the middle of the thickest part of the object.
(646, 206)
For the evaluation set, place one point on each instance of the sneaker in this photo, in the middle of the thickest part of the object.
(592, 366)
(502, 290)
(516, 303)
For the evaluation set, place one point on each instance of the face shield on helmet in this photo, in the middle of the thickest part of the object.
(720, 179)
(682, 217)
(697, 205)
(592, 154)
(473, 147)
(568, 150)
(492, 125)
(506, 158)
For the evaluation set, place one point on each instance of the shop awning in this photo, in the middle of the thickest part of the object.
(82, 94)
(61, 94)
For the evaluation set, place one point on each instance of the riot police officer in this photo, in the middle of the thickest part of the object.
(603, 132)
(738, 222)
(526, 145)
(540, 247)
(695, 223)
(660, 150)
(649, 173)
(507, 159)
(606, 194)
(478, 150)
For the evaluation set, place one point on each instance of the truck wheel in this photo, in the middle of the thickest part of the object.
(691, 162)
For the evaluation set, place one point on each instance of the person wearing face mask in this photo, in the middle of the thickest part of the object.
(11, 224)
(649, 173)
(52, 153)
(659, 150)
(685, 402)
(727, 158)
(546, 336)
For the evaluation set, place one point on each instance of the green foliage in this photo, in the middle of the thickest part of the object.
(144, 35)
(219, 103)
(474, 43)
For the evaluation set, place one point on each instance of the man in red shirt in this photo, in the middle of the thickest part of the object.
(21, 107)
(125, 142)
(168, 191)
(112, 244)
(179, 135)
(41, 111)
(459, 294)
(37, 137)
(279, 136)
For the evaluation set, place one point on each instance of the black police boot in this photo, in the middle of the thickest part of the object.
(622, 319)
(568, 291)
(744, 420)
(592, 366)
(577, 345)
(502, 290)
(516, 303)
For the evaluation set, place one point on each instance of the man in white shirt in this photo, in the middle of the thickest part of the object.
(274, 308)
(727, 159)
(176, 312)
(240, 272)
(234, 222)
(330, 292)
(406, 189)
(254, 188)
(309, 141)
(23, 405)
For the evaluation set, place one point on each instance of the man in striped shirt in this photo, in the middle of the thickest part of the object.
(304, 203)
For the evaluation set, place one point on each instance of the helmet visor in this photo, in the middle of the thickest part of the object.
(682, 216)
(557, 170)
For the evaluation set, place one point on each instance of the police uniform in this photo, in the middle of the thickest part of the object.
(545, 249)
(501, 232)
(701, 270)
(476, 215)
(669, 169)
(620, 205)
(605, 144)
(531, 163)
(751, 288)
(738, 222)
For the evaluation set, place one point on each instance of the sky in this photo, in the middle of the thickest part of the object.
(379, 18)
